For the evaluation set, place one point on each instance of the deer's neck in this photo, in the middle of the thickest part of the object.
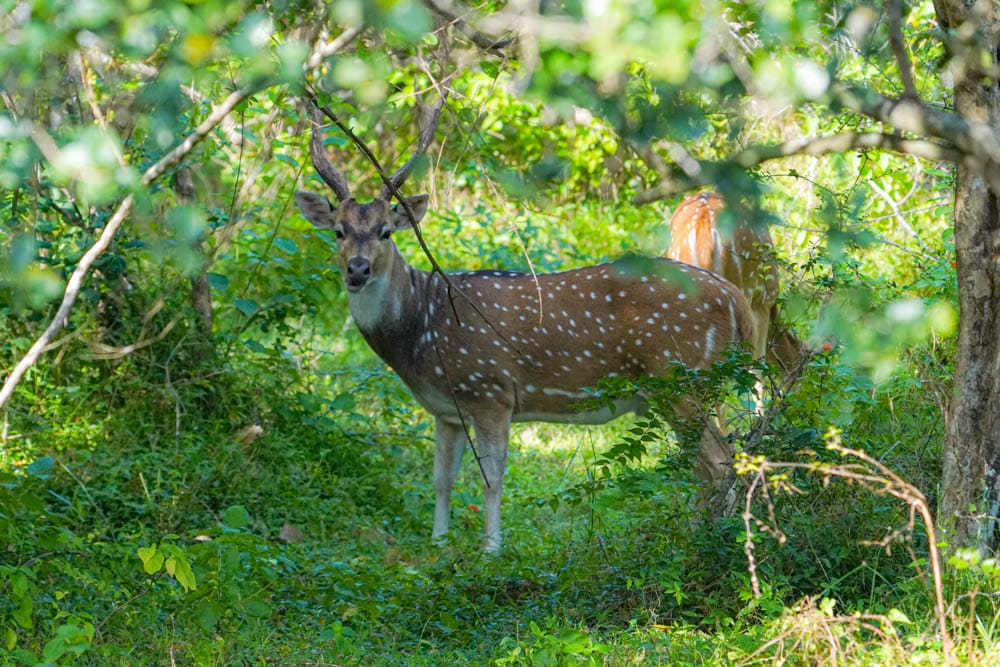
(388, 310)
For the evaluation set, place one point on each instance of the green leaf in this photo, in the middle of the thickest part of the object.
(208, 615)
(217, 281)
(286, 245)
(18, 584)
(343, 402)
(22, 615)
(257, 609)
(254, 346)
(248, 307)
(41, 468)
(826, 605)
(25, 656)
(179, 568)
(236, 516)
(54, 649)
(896, 616)
(185, 575)
(152, 559)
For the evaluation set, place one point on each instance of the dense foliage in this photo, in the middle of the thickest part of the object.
(248, 484)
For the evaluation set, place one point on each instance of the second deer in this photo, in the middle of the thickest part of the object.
(743, 255)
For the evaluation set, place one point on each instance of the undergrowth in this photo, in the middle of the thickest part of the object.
(269, 520)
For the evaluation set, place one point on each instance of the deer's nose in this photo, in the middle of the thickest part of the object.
(359, 270)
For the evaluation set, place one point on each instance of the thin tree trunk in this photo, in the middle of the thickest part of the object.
(201, 292)
(970, 489)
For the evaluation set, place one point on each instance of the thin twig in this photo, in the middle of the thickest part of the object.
(122, 605)
(878, 478)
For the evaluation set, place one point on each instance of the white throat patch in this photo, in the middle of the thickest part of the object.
(372, 307)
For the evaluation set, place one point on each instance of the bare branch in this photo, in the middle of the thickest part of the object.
(323, 50)
(846, 141)
(75, 281)
(878, 478)
(908, 115)
(897, 43)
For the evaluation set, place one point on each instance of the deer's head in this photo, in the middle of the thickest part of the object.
(365, 249)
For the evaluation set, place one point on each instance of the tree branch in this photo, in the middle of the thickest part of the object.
(323, 50)
(909, 115)
(480, 39)
(677, 180)
(897, 43)
(75, 282)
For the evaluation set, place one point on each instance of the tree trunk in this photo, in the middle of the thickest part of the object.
(201, 292)
(970, 489)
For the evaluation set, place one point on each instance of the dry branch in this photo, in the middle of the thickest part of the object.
(871, 474)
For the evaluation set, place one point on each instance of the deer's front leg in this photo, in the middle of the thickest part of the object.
(449, 444)
(492, 437)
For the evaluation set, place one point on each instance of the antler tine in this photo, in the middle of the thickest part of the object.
(430, 121)
(330, 174)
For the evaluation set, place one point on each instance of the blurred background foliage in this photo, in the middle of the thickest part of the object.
(258, 491)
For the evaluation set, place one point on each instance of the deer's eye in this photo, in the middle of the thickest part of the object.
(385, 234)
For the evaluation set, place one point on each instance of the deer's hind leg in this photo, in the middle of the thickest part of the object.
(492, 439)
(716, 454)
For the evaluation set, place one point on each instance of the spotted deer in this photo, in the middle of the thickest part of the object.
(482, 349)
(743, 255)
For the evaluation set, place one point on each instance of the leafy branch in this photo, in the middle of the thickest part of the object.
(161, 167)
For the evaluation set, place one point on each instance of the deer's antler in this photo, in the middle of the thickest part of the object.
(330, 174)
(429, 120)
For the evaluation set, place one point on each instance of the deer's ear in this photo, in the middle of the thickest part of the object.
(418, 204)
(317, 209)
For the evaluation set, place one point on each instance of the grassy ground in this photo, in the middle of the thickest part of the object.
(308, 544)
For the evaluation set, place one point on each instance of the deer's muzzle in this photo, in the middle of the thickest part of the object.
(359, 270)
